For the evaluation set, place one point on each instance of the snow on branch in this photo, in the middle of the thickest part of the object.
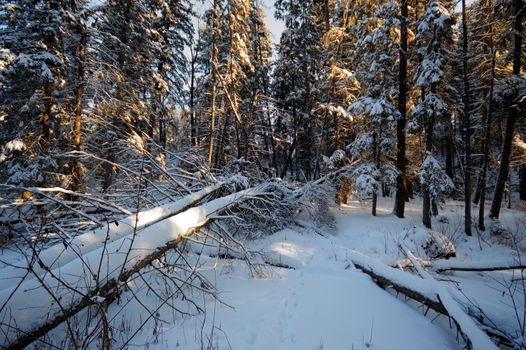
(44, 302)
(425, 290)
(59, 255)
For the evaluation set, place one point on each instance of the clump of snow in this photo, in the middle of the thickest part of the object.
(439, 246)
(11, 147)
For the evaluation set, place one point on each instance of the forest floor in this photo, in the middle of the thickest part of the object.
(323, 302)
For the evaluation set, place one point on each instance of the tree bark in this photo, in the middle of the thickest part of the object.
(79, 96)
(213, 59)
(467, 124)
(523, 183)
(377, 164)
(485, 159)
(289, 157)
(193, 133)
(401, 181)
(513, 114)
(45, 120)
(426, 207)
(449, 153)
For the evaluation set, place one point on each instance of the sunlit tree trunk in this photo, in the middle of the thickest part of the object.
(79, 96)
(213, 58)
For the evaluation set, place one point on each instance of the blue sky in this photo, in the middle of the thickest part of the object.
(275, 26)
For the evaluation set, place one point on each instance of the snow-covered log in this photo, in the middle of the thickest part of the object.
(58, 255)
(44, 302)
(462, 265)
(427, 291)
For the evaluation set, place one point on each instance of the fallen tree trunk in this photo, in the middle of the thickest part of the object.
(59, 255)
(41, 304)
(426, 291)
(456, 265)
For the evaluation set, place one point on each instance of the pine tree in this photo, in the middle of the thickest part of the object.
(125, 80)
(175, 28)
(518, 8)
(256, 103)
(339, 83)
(35, 63)
(375, 57)
(434, 30)
(297, 80)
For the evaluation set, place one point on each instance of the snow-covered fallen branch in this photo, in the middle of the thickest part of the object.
(476, 337)
(426, 291)
(459, 265)
(42, 303)
(58, 255)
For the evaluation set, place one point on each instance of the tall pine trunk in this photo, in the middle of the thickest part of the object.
(213, 59)
(485, 159)
(377, 164)
(467, 124)
(79, 96)
(513, 114)
(401, 181)
(426, 205)
(193, 122)
(523, 183)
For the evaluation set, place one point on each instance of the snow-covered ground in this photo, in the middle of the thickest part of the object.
(324, 302)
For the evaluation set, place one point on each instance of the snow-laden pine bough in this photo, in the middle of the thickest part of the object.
(426, 290)
(37, 305)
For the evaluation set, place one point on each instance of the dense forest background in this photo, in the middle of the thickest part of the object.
(98, 98)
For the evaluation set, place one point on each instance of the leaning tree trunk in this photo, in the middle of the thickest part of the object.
(401, 181)
(513, 114)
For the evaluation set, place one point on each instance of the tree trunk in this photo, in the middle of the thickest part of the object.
(485, 159)
(523, 183)
(79, 96)
(45, 120)
(289, 157)
(193, 133)
(467, 124)
(513, 114)
(401, 181)
(377, 164)
(449, 153)
(213, 59)
(426, 207)
(222, 134)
